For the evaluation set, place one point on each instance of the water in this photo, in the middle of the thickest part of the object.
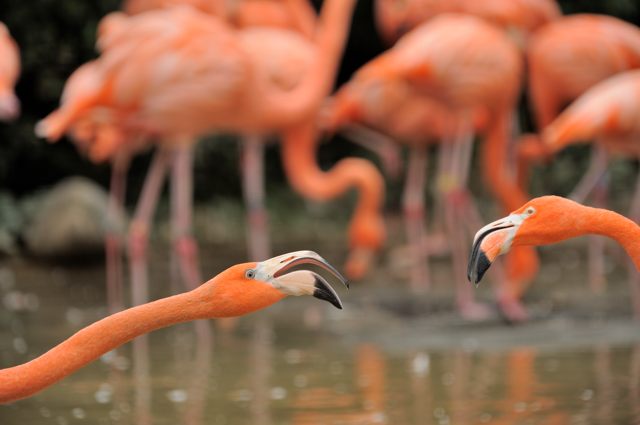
(303, 362)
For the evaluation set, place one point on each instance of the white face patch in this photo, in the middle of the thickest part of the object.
(511, 223)
(516, 220)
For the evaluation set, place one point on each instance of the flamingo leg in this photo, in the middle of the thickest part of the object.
(413, 201)
(594, 174)
(185, 246)
(457, 200)
(113, 237)
(596, 244)
(592, 184)
(141, 377)
(138, 243)
(634, 275)
(443, 184)
(260, 363)
(254, 198)
(140, 224)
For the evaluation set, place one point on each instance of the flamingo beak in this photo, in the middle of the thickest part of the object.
(278, 271)
(492, 240)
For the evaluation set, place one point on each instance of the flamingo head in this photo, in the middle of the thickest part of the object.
(247, 287)
(541, 221)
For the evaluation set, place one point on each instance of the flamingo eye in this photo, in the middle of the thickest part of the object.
(530, 211)
(250, 274)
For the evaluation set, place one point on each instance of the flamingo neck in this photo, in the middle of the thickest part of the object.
(292, 106)
(95, 340)
(522, 262)
(298, 152)
(495, 165)
(615, 226)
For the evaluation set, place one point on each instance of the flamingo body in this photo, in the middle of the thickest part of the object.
(519, 17)
(608, 112)
(9, 73)
(569, 56)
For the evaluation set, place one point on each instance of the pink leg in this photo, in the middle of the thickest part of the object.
(594, 174)
(113, 238)
(455, 204)
(634, 275)
(199, 382)
(139, 227)
(414, 217)
(141, 378)
(443, 184)
(138, 240)
(254, 198)
(596, 245)
(185, 246)
(383, 146)
(261, 363)
(604, 389)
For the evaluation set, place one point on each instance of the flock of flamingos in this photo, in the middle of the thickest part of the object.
(171, 71)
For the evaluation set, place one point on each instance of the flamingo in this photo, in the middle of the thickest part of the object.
(96, 132)
(518, 17)
(9, 72)
(565, 59)
(547, 220)
(223, 73)
(286, 14)
(296, 15)
(471, 67)
(237, 291)
(609, 115)
(390, 107)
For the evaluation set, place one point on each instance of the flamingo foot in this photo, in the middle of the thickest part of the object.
(226, 325)
(258, 238)
(187, 251)
(475, 311)
(359, 263)
(513, 310)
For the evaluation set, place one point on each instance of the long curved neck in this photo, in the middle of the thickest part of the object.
(303, 16)
(298, 153)
(290, 107)
(615, 226)
(93, 341)
(522, 262)
(495, 160)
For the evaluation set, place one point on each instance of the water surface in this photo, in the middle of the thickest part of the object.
(303, 362)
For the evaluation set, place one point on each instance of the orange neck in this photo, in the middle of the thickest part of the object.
(495, 165)
(222, 296)
(613, 225)
(522, 262)
(280, 109)
(93, 341)
(298, 152)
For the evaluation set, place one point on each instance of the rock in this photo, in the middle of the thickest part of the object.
(10, 224)
(70, 221)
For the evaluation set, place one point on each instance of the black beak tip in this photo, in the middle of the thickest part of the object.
(324, 292)
(479, 267)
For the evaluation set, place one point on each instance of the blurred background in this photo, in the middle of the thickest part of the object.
(65, 39)
(389, 357)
